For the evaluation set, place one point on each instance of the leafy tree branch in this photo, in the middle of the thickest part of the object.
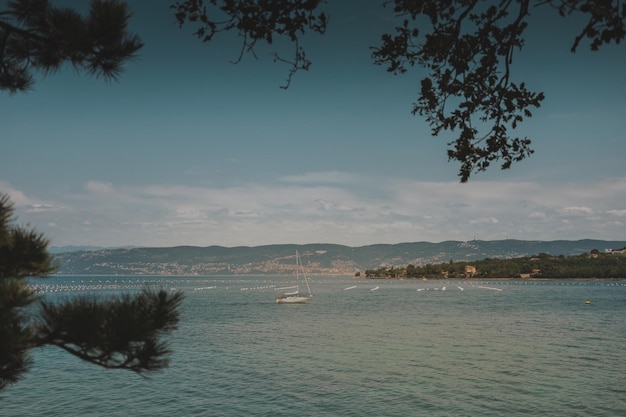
(124, 332)
(118, 333)
(34, 35)
(467, 48)
(256, 21)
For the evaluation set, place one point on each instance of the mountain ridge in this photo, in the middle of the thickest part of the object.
(319, 258)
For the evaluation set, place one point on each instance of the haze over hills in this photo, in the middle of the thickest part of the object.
(324, 259)
(71, 248)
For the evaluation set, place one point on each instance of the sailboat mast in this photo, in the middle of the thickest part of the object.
(306, 280)
(297, 268)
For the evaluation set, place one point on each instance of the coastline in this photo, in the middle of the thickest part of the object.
(338, 275)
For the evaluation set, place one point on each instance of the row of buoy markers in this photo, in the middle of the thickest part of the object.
(489, 288)
(47, 288)
(70, 288)
(460, 288)
(257, 288)
(203, 288)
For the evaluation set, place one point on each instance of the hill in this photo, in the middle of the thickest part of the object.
(325, 259)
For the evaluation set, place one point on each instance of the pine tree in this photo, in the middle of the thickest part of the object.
(124, 332)
(35, 35)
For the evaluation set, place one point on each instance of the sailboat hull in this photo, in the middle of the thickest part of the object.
(293, 300)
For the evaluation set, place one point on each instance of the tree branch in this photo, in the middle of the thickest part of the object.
(581, 35)
(256, 21)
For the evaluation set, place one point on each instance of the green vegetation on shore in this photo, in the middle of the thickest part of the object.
(590, 265)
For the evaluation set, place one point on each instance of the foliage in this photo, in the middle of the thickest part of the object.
(35, 35)
(593, 265)
(22, 253)
(125, 332)
(116, 333)
(256, 21)
(467, 47)
(468, 53)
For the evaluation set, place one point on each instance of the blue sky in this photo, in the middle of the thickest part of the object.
(189, 149)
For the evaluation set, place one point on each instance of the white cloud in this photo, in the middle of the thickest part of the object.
(617, 213)
(246, 213)
(326, 177)
(327, 205)
(485, 220)
(356, 212)
(536, 215)
(18, 198)
(577, 210)
(99, 188)
(37, 208)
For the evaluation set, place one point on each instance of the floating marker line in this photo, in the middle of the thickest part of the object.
(286, 288)
(490, 288)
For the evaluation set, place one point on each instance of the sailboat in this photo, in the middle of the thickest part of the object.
(294, 297)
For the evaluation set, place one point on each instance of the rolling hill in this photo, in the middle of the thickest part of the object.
(325, 259)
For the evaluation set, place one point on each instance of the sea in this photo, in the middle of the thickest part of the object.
(359, 348)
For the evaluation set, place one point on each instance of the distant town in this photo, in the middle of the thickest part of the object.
(318, 259)
(270, 267)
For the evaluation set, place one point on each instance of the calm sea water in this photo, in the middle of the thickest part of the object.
(408, 348)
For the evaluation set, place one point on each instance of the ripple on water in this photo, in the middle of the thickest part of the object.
(526, 350)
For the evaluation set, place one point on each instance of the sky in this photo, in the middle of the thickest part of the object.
(187, 148)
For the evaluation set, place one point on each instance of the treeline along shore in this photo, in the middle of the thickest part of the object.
(321, 258)
(593, 265)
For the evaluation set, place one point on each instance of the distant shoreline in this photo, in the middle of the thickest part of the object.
(327, 276)
(493, 279)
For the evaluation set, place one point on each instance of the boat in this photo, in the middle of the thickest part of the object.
(295, 297)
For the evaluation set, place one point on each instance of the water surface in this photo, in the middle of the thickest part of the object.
(407, 348)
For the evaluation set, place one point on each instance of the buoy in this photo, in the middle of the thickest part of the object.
(587, 302)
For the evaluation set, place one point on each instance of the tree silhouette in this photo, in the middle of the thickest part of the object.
(124, 332)
(34, 35)
(256, 21)
(466, 46)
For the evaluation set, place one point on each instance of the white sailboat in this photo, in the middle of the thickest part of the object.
(294, 297)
